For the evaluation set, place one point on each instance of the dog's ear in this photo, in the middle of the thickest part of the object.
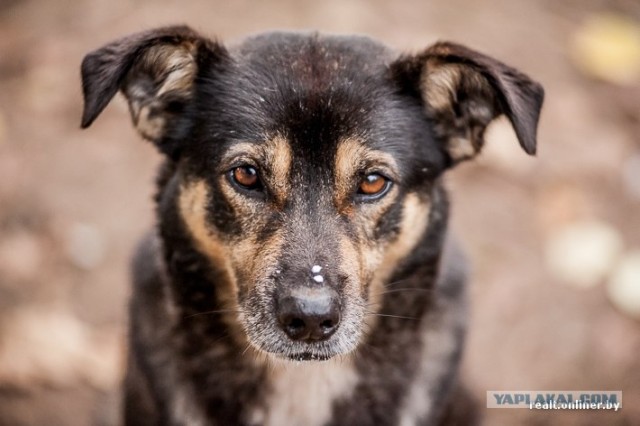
(156, 72)
(463, 90)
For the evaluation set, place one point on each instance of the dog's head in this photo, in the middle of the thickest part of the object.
(304, 164)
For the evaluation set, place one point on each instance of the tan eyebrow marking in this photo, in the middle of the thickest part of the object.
(274, 156)
(351, 157)
(192, 204)
(277, 153)
(414, 223)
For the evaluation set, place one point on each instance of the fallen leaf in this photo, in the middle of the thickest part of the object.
(583, 253)
(623, 287)
(607, 47)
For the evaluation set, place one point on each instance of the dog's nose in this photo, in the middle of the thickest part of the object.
(309, 314)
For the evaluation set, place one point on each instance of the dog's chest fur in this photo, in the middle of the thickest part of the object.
(304, 394)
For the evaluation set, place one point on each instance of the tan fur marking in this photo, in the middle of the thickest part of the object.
(351, 264)
(182, 70)
(274, 156)
(192, 204)
(241, 150)
(253, 258)
(278, 156)
(245, 261)
(439, 84)
(348, 157)
(460, 148)
(173, 69)
(149, 127)
(415, 218)
(353, 157)
(134, 95)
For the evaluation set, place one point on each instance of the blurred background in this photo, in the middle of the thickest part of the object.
(554, 240)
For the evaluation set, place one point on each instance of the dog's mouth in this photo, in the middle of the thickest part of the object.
(283, 350)
(309, 356)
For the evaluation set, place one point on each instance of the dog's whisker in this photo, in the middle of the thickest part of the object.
(224, 336)
(217, 311)
(391, 284)
(246, 349)
(391, 316)
(398, 290)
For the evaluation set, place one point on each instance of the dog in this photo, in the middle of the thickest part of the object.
(301, 272)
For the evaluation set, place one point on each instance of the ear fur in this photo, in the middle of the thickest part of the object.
(155, 70)
(463, 91)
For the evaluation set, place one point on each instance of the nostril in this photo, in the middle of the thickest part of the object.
(321, 327)
(296, 326)
(326, 325)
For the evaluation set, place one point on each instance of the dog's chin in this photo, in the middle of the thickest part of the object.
(297, 354)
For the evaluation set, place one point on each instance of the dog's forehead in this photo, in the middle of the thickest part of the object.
(313, 72)
(313, 92)
(301, 53)
(311, 89)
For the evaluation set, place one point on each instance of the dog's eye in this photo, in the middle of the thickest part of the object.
(246, 177)
(373, 186)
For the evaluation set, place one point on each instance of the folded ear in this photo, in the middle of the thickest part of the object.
(463, 91)
(155, 70)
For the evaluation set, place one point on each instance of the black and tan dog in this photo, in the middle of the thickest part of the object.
(300, 272)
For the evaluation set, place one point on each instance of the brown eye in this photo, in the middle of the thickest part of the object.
(246, 177)
(373, 186)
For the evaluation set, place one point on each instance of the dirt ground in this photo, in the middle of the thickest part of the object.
(73, 203)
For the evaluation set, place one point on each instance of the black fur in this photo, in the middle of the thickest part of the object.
(186, 360)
